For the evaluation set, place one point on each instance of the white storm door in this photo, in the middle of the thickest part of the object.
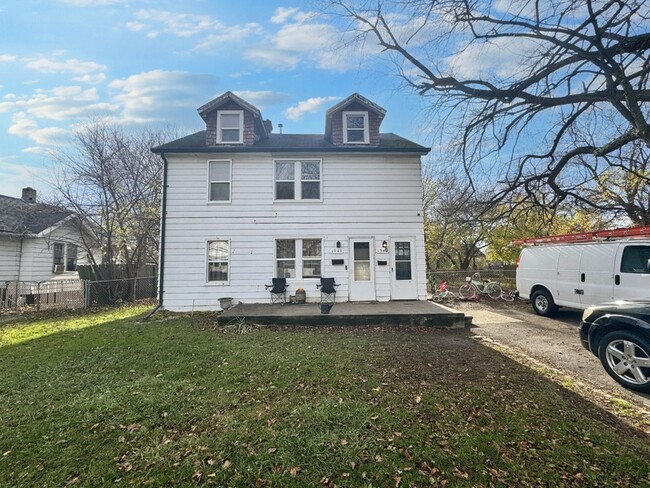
(403, 285)
(362, 273)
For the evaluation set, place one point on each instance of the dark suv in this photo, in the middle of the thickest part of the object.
(619, 334)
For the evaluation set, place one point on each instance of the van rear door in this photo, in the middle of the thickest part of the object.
(632, 276)
(597, 273)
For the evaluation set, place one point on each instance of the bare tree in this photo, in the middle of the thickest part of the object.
(112, 181)
(568, 103)
(454, 231)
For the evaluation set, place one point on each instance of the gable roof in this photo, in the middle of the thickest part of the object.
(20, 217)
(231, 97)
(228, 96)
(196, 142)
(355, 97)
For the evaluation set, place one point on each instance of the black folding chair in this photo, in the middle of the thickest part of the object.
(278, 290)
(327, 290)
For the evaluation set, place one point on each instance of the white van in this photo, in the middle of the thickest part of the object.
(584, 274)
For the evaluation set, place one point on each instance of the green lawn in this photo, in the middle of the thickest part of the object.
(102, 398)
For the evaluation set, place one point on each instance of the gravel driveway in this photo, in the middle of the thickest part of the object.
(551, 341)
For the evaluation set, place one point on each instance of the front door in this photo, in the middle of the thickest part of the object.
(403, 285)
(362, 273)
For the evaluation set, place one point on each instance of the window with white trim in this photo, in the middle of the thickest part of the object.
(59, 254)
(218, 261)
(298, 180)
(219, 174)
(355, 128)
(230, 126)
(298, 258)
(71, 257)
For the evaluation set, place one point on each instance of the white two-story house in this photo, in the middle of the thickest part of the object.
(243, 204)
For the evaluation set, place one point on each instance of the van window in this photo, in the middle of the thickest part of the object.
(636, 259)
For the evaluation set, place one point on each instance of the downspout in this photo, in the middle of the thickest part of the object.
(161, 258)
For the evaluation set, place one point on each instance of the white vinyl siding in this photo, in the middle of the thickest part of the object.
(230, 126)
(355, 128)
(219, 176)
(362, 195)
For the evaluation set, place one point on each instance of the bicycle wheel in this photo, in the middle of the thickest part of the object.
(507, 296)
(493, 290)
(467, 292)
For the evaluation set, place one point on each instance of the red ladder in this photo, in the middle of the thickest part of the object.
(586, 236)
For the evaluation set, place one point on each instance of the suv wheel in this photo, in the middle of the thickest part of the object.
(543, 303)
(626, 358)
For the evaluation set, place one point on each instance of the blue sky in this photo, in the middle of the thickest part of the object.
(139, 62)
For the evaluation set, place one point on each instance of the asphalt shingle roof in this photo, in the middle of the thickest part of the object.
(196, 142)
(20, 217)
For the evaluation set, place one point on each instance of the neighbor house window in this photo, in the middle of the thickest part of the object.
(219, 174)
(355, 128)
(298, 180)
(298, 258)
(71, 258)
(59, 256)
(218, 261)
(230, 126)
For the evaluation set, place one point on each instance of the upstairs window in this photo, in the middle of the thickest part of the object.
(355, 128)
(219, 179)
(298, 180)
(230, 127)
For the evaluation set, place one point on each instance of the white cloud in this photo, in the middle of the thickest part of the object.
(7, 58)
(43, 151)
(91, 3)
(176, 24)
(24, 126)
(229, 34)
(274, 58)
(282, 14)
(159, 95)
(502, 57)
(59, 103)
(308, 106)
(49, 65)
(91, 79)
(262, 98)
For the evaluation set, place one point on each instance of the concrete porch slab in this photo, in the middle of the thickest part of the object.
(347, 313)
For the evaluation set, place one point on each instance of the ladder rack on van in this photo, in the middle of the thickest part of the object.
(619, 233)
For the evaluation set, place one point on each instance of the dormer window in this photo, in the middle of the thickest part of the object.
(355, 128)
(230, 127)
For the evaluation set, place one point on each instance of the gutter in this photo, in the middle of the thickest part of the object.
(163, 218)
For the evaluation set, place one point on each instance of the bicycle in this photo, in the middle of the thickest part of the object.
(475, 286)
(508, 295)
(443, 292)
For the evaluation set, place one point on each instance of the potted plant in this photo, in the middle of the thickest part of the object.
(301, 296)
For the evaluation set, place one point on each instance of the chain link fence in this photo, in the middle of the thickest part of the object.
(505, 277)
(74, 293)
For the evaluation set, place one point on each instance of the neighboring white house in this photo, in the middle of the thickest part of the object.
(38, 242)
(243, 205)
